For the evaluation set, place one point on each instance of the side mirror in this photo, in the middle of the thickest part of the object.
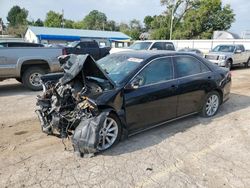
(134, 84)
(238, 51)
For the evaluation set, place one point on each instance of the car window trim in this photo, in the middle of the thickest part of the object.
(147, 65)
(173, 67)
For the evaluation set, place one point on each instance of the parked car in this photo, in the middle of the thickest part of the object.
(229, 56)
(129, 92)
(192, 50)
(27, 64)
(147, 45)
(86, 47)
(19, 44)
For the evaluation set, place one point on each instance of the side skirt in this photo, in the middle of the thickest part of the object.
(159, 124)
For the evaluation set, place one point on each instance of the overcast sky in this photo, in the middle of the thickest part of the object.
(118, 10)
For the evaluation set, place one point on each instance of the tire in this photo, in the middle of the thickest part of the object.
(114, 140)
(212, 101)
(19, 80)
(31, 78)
(247, 64)
(229, 64)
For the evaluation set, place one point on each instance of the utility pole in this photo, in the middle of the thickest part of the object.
(172, 19)
(63, 18)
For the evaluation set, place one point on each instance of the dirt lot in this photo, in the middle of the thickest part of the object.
(192, 152)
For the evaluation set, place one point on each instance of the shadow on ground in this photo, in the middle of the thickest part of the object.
(157, 135)
(14, 89)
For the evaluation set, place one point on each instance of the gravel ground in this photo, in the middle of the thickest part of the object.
(192, 152)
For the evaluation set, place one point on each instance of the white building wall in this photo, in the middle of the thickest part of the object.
(206, 45)
(31, 37)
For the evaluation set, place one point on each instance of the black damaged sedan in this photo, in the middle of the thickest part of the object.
(137, 91)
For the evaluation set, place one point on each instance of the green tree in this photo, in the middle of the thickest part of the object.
(78, 25)
(95, 20)
(133, 29)
(111, 26)
(147, 21)
(17, 16)
(68, 23)
(205, 17)
(38, 22)
(53, 19)
(191, 19)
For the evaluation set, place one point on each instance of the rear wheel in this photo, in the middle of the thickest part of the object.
(32, 78)
(211, 104)
(110, 133)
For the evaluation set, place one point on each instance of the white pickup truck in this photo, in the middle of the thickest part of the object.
(147, 45)
(229, 56)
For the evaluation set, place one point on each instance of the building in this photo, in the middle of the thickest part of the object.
(225, 35)
(9, 38)
(50, 35)
(245, 34)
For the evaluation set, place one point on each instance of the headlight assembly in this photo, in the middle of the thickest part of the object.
(222, 57)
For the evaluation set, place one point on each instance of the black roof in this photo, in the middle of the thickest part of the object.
(145, 54)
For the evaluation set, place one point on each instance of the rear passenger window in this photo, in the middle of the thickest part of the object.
(186, 66)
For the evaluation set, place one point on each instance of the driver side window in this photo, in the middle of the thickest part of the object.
(157, 71)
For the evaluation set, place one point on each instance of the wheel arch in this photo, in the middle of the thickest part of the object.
(220, 93)
(34, 63)
(230, 59)
(120, 115)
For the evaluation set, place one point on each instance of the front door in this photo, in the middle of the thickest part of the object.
(155, 100)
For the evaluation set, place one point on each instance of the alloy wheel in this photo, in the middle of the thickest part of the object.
(108, 134)
(212, 105)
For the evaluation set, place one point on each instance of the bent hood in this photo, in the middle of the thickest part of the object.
(83, 65)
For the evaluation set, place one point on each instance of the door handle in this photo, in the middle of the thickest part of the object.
(174, 86)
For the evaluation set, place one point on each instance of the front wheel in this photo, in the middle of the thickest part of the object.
(247, 64)
(229, 64)
(110, 132)
(32, 78)
(211, 104)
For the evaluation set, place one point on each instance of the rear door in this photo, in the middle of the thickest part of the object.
(155, 100)
(194, 78)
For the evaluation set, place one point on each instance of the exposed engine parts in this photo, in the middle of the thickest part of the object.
(65, 109)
